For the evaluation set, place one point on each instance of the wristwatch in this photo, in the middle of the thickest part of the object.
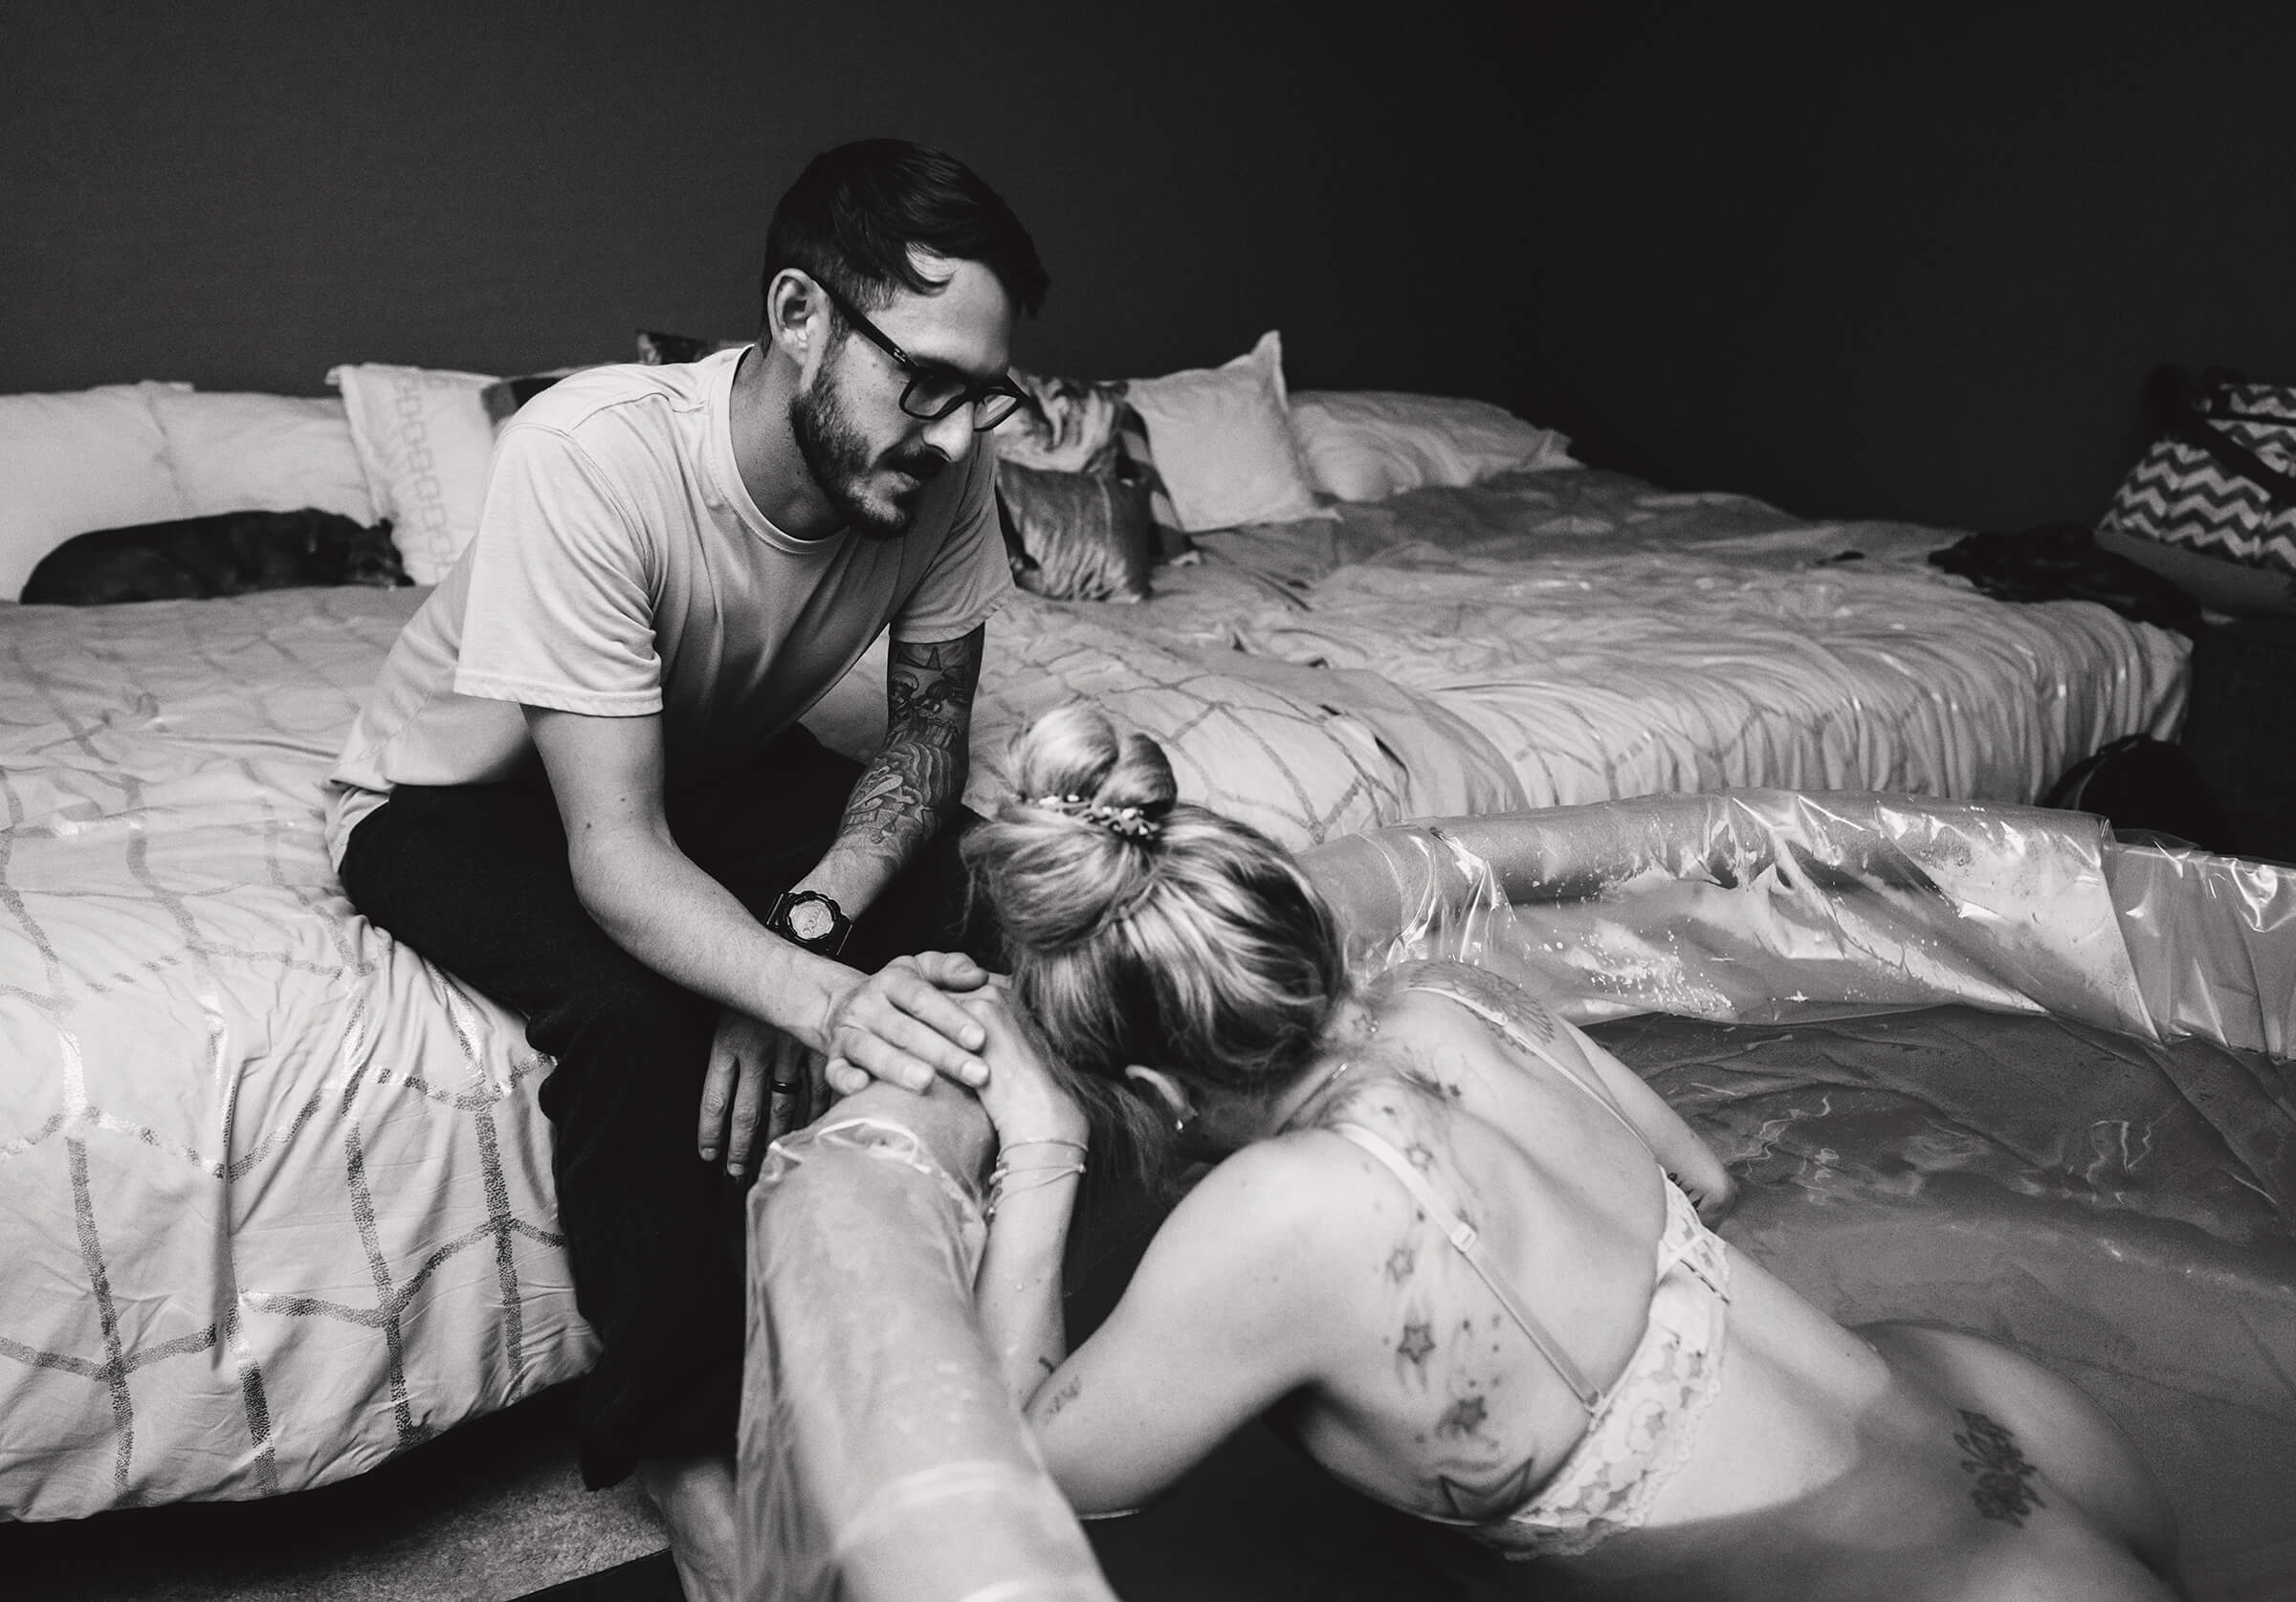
(810, 920)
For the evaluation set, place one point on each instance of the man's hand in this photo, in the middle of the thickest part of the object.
(755, 1069)
(902, 1025)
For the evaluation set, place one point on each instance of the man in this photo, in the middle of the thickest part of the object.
(580, 783)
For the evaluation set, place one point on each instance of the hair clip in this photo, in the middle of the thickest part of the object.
(1130, 821)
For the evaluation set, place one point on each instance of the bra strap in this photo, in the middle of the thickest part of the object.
(1491, 1015)
(1466, 1241)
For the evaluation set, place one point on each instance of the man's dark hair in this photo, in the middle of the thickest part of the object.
(855, 212)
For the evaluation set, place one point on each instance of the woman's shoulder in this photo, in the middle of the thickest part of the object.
(1267, 1240)
(1286, 1183)
(1292, 1199)
(1459, 995)
(1461, 981)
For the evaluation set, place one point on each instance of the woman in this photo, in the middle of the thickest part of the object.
(1458, 1253)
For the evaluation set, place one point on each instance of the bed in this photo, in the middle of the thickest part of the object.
(274, 1192)
(1556, 637)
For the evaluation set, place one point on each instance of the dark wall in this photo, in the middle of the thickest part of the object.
(242, 193)
(1905, 259)
(1862, 260)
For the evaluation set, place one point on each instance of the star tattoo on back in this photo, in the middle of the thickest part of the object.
(1464, 1417)
(1419, 1340)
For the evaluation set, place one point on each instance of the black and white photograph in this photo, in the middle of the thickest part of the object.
(1192, 803)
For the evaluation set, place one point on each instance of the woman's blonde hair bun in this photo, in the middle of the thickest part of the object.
(1144, 929)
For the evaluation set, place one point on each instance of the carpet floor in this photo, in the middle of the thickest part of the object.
(489, 1512)
(494, 1511)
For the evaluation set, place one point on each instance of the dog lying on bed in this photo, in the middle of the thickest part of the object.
(227, 553)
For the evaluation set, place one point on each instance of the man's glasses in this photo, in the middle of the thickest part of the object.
(933, 392)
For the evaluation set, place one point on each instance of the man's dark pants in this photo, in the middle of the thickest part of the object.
(475, 877)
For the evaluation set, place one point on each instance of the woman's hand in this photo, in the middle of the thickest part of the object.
(1023, 1097)
(1713, 1202)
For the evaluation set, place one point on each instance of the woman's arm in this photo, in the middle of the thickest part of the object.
(1238, 1302)
(1680, 1150)
(1041, 1136)
(1241, 1300)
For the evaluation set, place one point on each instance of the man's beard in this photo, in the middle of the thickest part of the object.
(839, 459)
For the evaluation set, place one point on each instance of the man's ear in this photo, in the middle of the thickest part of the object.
(1163, 1086)
(797, 318)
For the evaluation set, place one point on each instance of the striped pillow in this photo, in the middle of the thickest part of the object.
(1139, 464)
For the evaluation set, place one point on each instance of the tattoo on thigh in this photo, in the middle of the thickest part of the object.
(2001, 1470)
(1063, 1397)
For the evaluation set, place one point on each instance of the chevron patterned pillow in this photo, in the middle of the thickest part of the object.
(2220, 480)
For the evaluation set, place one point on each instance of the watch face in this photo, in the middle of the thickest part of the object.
(810, 920)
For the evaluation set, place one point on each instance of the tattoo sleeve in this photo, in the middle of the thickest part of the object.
(914, 783)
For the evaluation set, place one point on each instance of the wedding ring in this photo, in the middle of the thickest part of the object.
(785, 1087)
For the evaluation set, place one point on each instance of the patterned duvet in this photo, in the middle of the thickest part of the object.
(274, 1197)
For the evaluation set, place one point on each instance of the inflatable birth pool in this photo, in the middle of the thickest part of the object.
(1983, 1066)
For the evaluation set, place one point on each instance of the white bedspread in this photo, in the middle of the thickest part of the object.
(274, 1197)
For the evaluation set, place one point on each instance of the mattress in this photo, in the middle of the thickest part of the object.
(1610, 640)
(274, 1192)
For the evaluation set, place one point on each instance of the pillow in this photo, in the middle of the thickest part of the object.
(1222, 442)
(2219, 584)
(77, 461)
(250, 452)
(1076, 536)
(1139, 462)
(1063, 425)
(425, 443)
(1369, 444)
(1072, 424)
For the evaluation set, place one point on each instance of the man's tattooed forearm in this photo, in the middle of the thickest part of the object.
(1999, 1468)
(903, 795)
(914, 783)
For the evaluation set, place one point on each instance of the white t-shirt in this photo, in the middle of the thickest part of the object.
(621, 568)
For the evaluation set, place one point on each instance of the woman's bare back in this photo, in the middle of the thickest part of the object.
(1894, 1462)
